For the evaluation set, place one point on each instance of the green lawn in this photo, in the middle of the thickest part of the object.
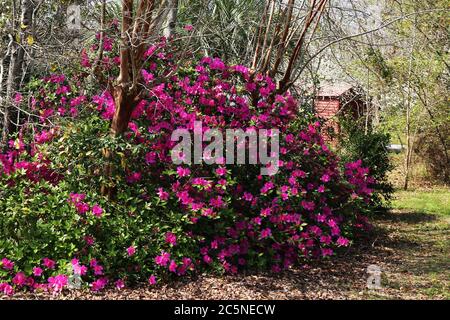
(417, 232)
(434, 201)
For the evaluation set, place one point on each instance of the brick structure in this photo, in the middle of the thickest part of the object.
(332, 100)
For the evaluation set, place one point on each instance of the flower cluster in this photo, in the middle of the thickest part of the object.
(172, 220)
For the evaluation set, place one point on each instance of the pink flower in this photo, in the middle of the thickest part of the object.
(18, 98)
(99, 284)
(85, 59)
(119, 284)
(171, 238)
(327, 252)
(163, 259)
(152, 280)
(82, 207)
(134, 177)
(242, 69)
(89, 240)
(248, 196)
(93, 263)
(308, 205)
(78, 269)
(325, 239)
(207, 259)
(341, 241)
(98, 270)
(42, 137)
(221, 171)
(107, 43)
(97, 211)
(148, 77)
(7, 264)
(76, 197)
(6, 289)
(214, 244)
(265, 212)
(217, 202)
(150, 158)
(266, 233)
(183, 172)
(150, 51)
(19, 279)
(48, 263)
(131, 251)
(172, 266)
(57, 283)
(267, 186)
(37, 272)
(325, 178)
(188, 27)
(163, 195)
(217, 64)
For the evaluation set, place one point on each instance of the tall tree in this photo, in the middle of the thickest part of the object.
(21, 38)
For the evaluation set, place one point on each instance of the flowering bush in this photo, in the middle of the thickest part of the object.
(167, 220)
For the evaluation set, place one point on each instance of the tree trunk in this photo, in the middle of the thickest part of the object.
(409, 150)
(171, 20)
(125, 103)
(16, 68)
(121, 94)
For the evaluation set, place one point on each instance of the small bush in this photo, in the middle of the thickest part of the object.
(371, 148)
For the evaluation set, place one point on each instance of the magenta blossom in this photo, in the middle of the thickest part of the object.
(57, 283)
(19, 279)
(119, 284)
(18, 98)
(207, 259)
(183, 172)
(48, 263)
(99, 284)
(163, 195)
(172, 266)
(171, 238)
(163, 259)
(7, 264)
(98, 270)
(341, 241)
(97, 211)
(265, 233)
(134, 177)
(131, 251)
(37, 272)
(6, 289)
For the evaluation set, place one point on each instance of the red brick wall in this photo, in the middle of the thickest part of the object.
(327, 108)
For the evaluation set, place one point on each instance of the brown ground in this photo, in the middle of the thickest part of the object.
(411, 249)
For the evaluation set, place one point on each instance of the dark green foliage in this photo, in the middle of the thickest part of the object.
(355, 143)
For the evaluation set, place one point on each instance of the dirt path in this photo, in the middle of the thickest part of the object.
(411, 249)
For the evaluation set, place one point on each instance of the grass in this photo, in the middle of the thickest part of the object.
(418, 229)
(435, 201)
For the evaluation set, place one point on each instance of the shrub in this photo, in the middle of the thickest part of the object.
(169, 220)
(371, 148)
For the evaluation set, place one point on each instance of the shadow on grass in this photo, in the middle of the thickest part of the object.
(418, 246)
(410, 217)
